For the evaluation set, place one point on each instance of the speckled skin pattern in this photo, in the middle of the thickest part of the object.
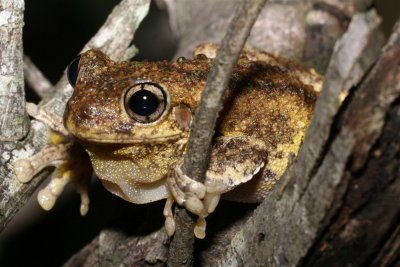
(269, 101)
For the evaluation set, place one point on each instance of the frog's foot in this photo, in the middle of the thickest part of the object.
(233, 161)
(63, 156)
(196, 197)
(63, 153)
(50, 155)
(63, 176)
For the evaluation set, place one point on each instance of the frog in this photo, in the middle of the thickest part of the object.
(133, 119)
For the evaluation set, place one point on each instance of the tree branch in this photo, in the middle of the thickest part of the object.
(353, 55)
(114, 38)
(35, 79)
(13, 119)
(116, 249)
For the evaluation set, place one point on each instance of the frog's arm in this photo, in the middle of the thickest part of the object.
(233, 161)
(63, 153)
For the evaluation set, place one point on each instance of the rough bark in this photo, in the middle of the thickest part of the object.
(122, 22)
(112, 248)
(13, 119)
(368, 218)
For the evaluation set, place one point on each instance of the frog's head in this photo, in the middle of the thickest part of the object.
(129, 102)
(133, 118)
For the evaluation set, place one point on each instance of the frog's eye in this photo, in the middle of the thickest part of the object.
(145, 102)
(73, 70)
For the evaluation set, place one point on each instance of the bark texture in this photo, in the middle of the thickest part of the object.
(13, 119)
(112, 248)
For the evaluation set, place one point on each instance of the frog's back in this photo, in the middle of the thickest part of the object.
(272, 104)
(266, 102)
(268, 98)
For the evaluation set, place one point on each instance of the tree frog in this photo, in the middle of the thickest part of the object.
(133, 119)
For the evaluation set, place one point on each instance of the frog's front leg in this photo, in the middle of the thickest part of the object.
(233, 160)
(65, 157)
(71, 162)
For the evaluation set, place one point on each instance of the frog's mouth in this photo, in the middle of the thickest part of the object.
(131, 140)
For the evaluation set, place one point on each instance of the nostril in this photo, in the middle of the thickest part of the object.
(89, 111)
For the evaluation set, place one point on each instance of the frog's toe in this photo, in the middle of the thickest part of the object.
(49, 194)
(199, 199)
(210, 202)
(46, 199)
(169, 216)
(177, 194)
(62, 177)
(23, 170)
(85, 200)
(186, 192)
(188, 185)
(194, 205)
(51, 155)
(200, 228)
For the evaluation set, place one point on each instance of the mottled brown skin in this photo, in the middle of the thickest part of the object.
(266, 102)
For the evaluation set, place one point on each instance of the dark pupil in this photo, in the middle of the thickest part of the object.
(144, 103)
(72, 72)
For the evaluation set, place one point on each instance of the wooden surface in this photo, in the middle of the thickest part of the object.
(14, 124)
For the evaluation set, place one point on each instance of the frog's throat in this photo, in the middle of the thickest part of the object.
(138, 194)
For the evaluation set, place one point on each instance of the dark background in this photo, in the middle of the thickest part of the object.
(54, 33)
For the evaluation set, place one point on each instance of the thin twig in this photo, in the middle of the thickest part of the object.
(122, 22)
(196, 158)
(35, 78)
